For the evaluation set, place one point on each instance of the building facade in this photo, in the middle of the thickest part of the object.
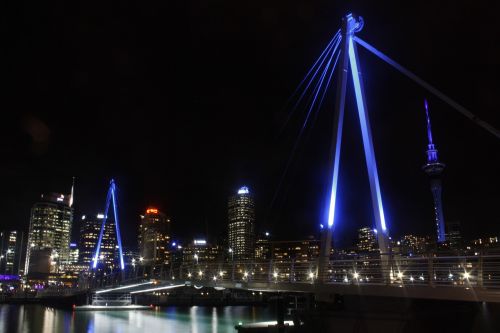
(263, 247)
(11, 252)
(89, 236)
(199, 251)
(367, 240)
(49, 234)
(298, 251)
(154, 238)
(241, 226)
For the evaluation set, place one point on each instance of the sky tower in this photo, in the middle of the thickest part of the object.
(433, 168)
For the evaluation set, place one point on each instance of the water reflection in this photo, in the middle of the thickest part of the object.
(195, 319)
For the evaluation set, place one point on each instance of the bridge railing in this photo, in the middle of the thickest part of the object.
(450, 271)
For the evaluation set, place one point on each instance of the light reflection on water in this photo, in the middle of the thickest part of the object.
(195, 319)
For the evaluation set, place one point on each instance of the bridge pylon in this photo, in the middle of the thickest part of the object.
(349, 60)
(110, 198)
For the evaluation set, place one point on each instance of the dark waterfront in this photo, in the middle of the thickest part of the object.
(195, 319)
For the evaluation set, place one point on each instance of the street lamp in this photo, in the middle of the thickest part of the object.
(196, 258)
(232, 254)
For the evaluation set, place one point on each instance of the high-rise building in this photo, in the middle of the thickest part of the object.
(241, 226)
(434, 169)
(11, 252)
(49, 234)
(89, 234)
(367, 240)
(453, 235)
(108, 253)
(154, 238)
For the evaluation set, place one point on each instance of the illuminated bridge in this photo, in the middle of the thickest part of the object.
(460, 278)
(473, 278)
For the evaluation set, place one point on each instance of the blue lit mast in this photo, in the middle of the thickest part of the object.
(434, 169)
(349, 57)
(111, 197)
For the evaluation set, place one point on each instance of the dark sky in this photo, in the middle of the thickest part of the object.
(182, 103)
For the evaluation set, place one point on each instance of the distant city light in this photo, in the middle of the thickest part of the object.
(267, 234)
(83, 217)
(174, 244)
(100, 216)
(200, 242)
(151, 211)
(243, 190)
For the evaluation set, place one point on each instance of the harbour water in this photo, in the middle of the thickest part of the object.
(194, 319)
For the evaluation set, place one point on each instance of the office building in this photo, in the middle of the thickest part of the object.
(241, 226)
(11, 252)
(89, 234)
(154, 238)
(49, 234)
(298, 251)
(367, 240)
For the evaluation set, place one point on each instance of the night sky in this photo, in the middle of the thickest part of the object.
(183, 102)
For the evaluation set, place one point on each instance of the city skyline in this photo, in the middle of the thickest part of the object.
(239, 166)
(169, 142)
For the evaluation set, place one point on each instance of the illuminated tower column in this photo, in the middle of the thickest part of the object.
(111, 198)
(349, 58)
(434, 169)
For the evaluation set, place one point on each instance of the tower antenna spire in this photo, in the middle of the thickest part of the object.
(429, 130)
(72, 193)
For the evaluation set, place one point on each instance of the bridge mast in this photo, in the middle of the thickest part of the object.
(349, 56)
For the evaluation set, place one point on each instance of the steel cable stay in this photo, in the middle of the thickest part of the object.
(429, 88)
(333, 45)
(314, 105)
